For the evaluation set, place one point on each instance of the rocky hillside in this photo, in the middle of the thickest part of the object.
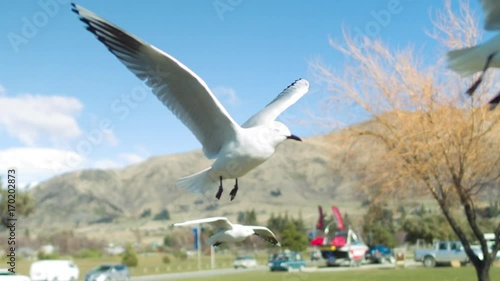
(297, 178)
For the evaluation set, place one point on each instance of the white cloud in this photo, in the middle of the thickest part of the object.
(227, 95)
(131, 158)
(35, 164)
(106, 164)
(32, 117)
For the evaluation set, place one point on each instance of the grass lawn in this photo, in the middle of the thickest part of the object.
(148, 264)
(408, 274)
(152, 264)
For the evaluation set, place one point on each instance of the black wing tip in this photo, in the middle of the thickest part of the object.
(294, 83)
(494, 102)
(74, 8)
(97, 25)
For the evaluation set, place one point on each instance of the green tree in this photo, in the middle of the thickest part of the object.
(129, 257)
(293, 239)
(347, 221)
(377, 214)
(146, 213)
(278, 223)
(23, 206)
(241, 217)
(402, 212)
(429, 228)
(378, 226)
(378, 234)
(247, 217)
(250, 218)
(168, 241)
(299, 224)
(162, 215)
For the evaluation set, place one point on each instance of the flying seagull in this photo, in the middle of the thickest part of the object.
(468, 61)
(236, 149)
(226, 232)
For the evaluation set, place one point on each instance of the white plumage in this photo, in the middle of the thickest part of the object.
(236, 149)
(468, 61)
(226, 232)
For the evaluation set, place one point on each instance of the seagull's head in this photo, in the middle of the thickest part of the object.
(282, 133)
(248, 231)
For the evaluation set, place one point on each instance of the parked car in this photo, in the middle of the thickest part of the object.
(61, 270)
(108, 272)
(286, 261)
(443, 252)
(6, 275)
(490, 242)
(380, 254)
(244, 262)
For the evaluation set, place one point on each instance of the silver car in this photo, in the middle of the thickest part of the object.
(108, 272)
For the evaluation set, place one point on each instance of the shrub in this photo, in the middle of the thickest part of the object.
(181, 255)
(166, 259)
(129, 257)
(162, 215)
(51, 256)
(168, 241)
(88, 253)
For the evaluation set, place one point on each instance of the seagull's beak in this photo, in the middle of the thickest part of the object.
(294, 137)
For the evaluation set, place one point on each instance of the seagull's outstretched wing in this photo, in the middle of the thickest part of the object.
(491, 10)
(179, 88)
(217, 222)
(285, 99)
(266, 234)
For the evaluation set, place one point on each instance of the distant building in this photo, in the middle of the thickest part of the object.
(113, 250)
(47, 249)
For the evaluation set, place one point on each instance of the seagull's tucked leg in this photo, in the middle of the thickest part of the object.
(476, 84)
(219, 192)
(234, 190)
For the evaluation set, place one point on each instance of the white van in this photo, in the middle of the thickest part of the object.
(49, 270)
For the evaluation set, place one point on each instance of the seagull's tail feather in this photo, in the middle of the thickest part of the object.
(467, 61)
(200, 182)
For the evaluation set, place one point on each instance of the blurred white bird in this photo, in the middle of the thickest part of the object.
(236, 149)
(468, 61)
(226, 232)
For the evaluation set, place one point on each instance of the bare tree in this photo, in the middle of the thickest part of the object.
(435, 141)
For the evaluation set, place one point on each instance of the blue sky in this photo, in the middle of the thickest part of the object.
(58, 84)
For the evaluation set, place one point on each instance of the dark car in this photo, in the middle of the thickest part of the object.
(286, 261)
(108, 272)
(379, 254)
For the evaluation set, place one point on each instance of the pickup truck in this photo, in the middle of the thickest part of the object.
(443, 252)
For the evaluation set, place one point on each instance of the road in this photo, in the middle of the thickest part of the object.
(194, 274)
(225, 271)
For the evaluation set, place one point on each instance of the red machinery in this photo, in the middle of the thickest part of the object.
(338, 246)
